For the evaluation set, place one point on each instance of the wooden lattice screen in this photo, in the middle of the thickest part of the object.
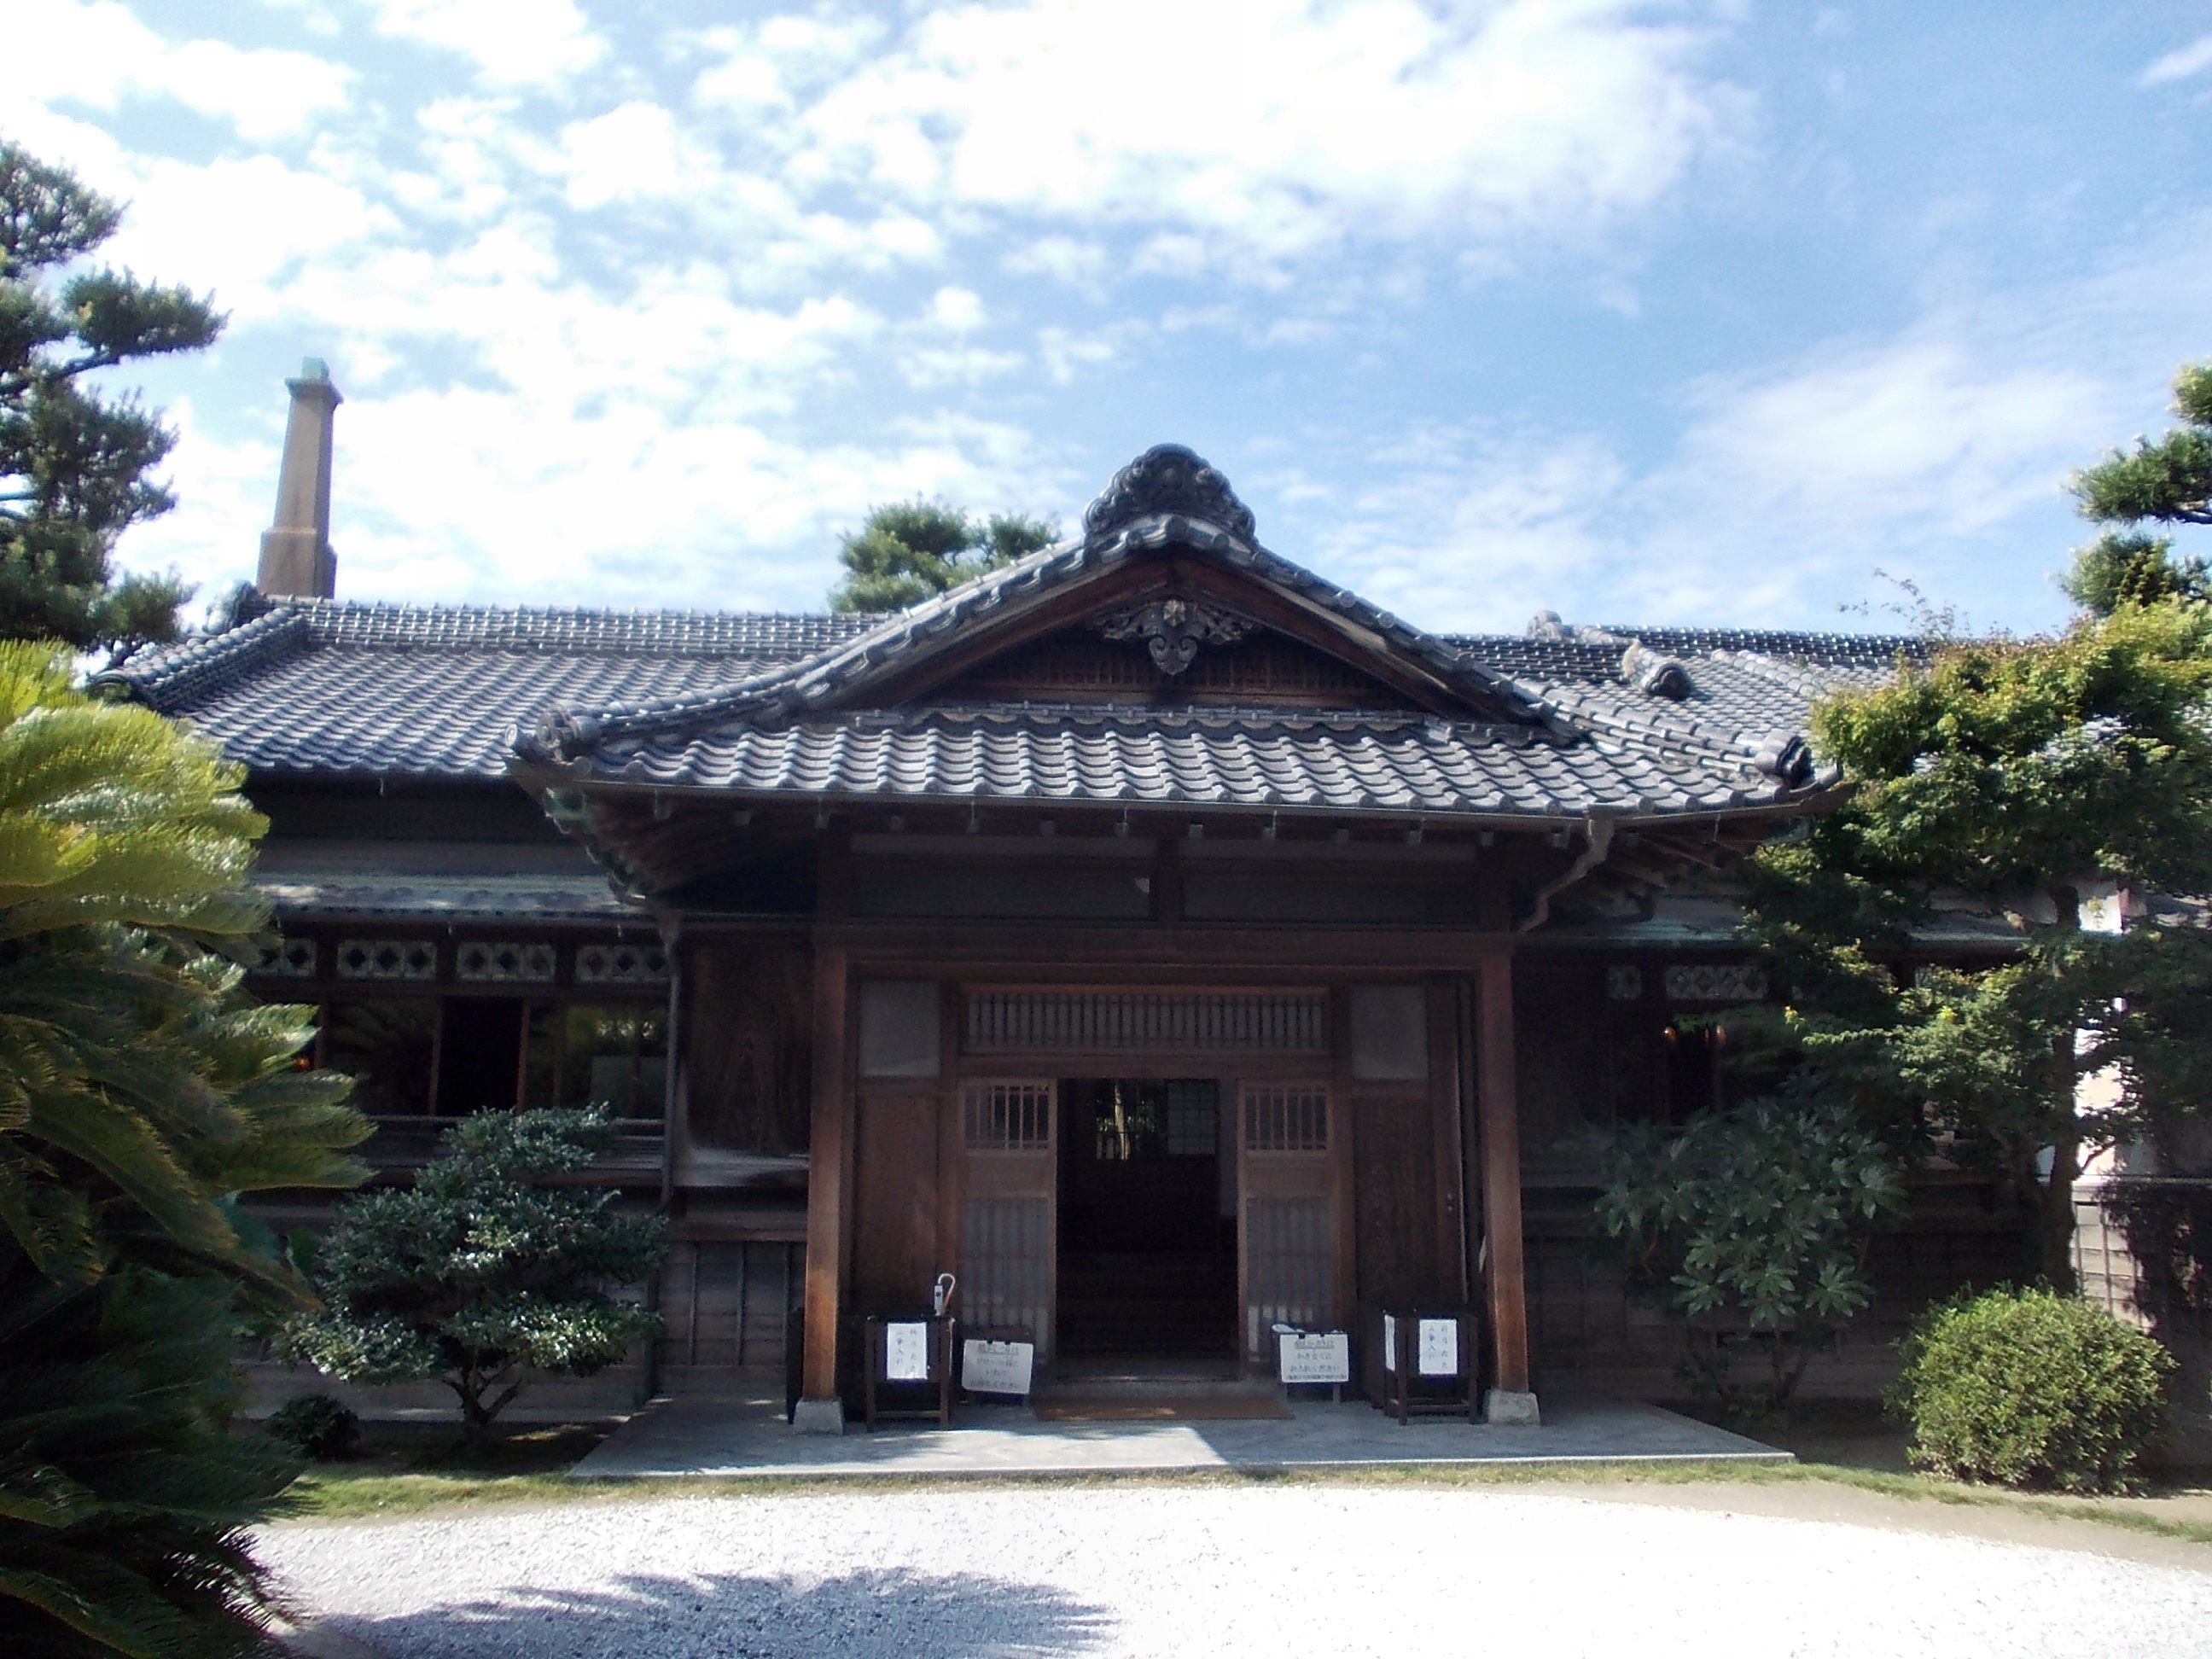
(1105, 1021)
(1006, 1253)
(1286, 1265)
(1285, 1119)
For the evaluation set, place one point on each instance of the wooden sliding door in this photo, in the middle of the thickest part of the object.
(1007, 1227)
(1286, 1187)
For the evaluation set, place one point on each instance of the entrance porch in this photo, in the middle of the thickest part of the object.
(1159, 1168)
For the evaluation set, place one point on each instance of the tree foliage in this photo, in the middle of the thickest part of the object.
(483, 1268)
(1753, 1224)
(141, 1092)
(2012, 775)
(906, 550)
(76, 463)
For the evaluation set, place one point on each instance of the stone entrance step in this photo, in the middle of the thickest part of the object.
(1142, 1378)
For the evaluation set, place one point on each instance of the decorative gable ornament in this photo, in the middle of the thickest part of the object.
(1167, 478)
(1173, 630)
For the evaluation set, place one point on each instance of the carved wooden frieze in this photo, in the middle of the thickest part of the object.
(1173, 630)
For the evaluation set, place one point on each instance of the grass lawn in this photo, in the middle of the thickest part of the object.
(405, 1469)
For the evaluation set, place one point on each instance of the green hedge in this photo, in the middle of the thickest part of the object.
(315, 1425)
(2031, 1388)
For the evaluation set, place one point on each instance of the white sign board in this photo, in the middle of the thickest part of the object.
(996, 1367)
(906, 1353)
(1438, 1348)
(1389, 1342)
(2102, 910)
(1304, 1359)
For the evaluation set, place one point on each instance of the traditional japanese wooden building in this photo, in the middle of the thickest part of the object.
(1153, 933)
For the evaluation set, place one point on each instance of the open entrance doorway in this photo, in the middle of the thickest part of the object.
(1147, 1221)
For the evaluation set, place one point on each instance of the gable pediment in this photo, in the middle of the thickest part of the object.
(1199, 655)
(1187, 619)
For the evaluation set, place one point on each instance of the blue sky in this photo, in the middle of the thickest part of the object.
(1647, 313)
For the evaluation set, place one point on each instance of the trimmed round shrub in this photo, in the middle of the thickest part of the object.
(315, 1425)
(2031, 1388)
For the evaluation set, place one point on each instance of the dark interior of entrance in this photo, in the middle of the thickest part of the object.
(1148, 1220)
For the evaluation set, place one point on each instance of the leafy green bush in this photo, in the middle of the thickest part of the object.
(2030, 1389)
(315, 1425)
(1751, 1225)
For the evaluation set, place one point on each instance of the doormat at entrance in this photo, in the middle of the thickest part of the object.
(1163, 1408)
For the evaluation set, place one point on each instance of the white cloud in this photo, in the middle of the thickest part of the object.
(489, 493)
(244, 225)
(1203, 122)
(1078, 262)
(98, 52)
(512, 42)
(959, 310)
(1459, 526)
(1937, 451)
(2180, 63)
(1782, 493)
(1064, 351)
(1930, 429)
(630, 152)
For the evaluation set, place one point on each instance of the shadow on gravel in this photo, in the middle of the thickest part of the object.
(897, 1614)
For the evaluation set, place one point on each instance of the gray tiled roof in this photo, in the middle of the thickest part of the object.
(550, 882)
(328, 688)
(585, 899)
(1252, 758)
(332, 688)
(1548, 723)
(335, 689)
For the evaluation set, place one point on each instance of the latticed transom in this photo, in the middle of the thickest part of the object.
(621, 964)
(387, 958)
(1285, 1119)
(505, 962)
(1009, 1117)
(289, 958)
(1105, 1020)
(1716, 981)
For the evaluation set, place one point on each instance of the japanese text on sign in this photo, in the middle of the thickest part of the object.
(1439, 1347)
(996, 1367)
(906, 1353)
(1307, 1358)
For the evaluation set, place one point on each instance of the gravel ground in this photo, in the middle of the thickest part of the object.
(1138, 1570)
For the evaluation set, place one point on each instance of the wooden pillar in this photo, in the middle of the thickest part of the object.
(1498, 1112)
(828, 1185)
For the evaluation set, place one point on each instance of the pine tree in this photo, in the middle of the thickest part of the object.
(2165, 483)
(483, 1266)
(76, 463)
(906, 550)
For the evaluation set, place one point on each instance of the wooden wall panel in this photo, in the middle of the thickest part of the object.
(1395, 1202)
(894, 1203)
(748, 1044)
(727, 1304)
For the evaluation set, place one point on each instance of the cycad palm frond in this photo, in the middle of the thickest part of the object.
(123, 1507)
(133, 1069)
